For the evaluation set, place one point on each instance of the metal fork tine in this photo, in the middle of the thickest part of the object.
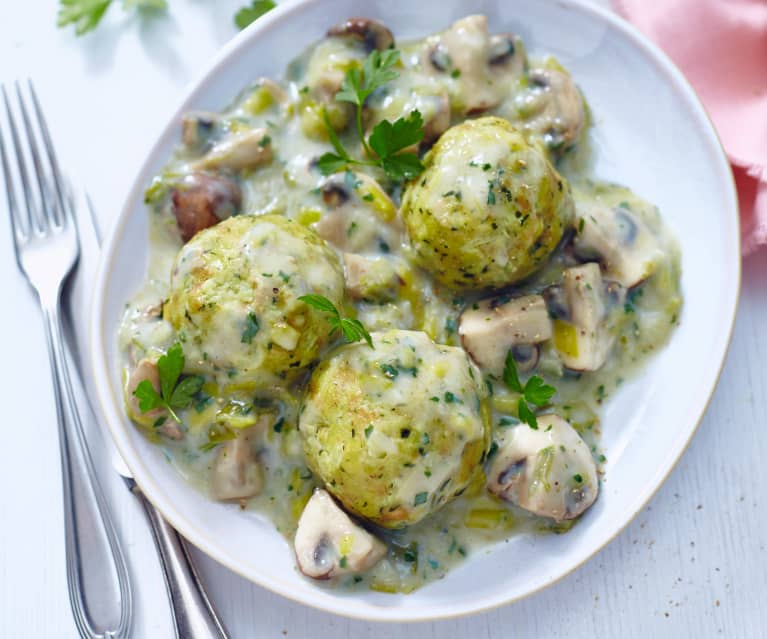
(17, 226)
(58, 182)
(47, 209)
(33, 219)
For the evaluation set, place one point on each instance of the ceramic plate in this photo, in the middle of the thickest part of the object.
(650, 132)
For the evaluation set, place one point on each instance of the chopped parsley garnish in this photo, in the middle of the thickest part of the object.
(175, 393)
(387, 142)
(535, 391)
(250, 330)
(421, 498)
(352, 329)
(578, 478)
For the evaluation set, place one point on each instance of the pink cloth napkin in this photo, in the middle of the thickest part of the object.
(721, 46)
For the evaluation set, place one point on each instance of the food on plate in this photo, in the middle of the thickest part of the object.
(488, 209)
(386, 302)
(396, 431)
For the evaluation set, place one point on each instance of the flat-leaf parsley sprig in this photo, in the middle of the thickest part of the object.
(387, 142)
(535, 391)
(174, 394)
(352, 329)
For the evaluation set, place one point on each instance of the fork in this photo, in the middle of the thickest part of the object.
(47, 249)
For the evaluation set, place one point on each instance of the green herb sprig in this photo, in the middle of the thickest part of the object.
(174, 394)
(535, 391)
(387, 142)
(352, 329)
(252, 12)
(85, 15)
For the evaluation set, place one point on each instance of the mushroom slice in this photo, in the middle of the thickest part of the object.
(244, 150)
(490, 330)
(585, 341)
(371, 33)
(619, 238)
(237, 473)
(201, 200)
(146, 370)
(371, 279)
(482, 68)
(552, 107)
(328, 543)
(361, 217)
(548, 471)
(197, 128)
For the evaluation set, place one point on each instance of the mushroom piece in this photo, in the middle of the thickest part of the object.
(371, 33)
(548, 471)
(244, 150)
(197, 128)
(371, 279)
(146, 370)
(552, 107)
(620, 239)
(489, 331)
(584, 340)
(201, 200)
(328, 543)
(482, 68)
(237, 473)
(360, 217)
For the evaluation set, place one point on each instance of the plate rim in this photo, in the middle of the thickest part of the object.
(98, 332)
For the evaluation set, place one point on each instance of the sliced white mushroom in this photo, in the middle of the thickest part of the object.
(371, 279)
(197, 128)
(551, 107)
(146, 370)
(237, 473)
(491, 329)
(243, 150)
(482, 68)
(328, 543)
(620, 239)
(361, 217)
(368, 32)
(548, 471)
(583, 338)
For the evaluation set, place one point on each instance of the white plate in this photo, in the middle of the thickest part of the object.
(650, 133)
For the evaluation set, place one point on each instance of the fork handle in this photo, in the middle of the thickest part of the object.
(97, 575)
(194, 616)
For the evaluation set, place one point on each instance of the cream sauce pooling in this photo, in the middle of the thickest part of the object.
(445, 76)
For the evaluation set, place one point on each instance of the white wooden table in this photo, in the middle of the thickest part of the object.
(692, 564)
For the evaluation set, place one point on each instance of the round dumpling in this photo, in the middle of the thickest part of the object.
(397, 431)
(488, 210)
(234, 299)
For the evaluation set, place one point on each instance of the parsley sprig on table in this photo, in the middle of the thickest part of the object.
(387, 142)
(175, 393)
(85, 15)
(352, 329)
(535, 391)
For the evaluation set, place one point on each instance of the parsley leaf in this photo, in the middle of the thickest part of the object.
(352, 329)
(251, 13)
(387, 142)
(251, 328)
(535, 391)
(173, 393)
(86, 15)
(388, 139)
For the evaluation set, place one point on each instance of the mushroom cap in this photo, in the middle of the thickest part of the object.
(488, 210)
(548, 471)
(398, 431)
(234, 299)
(328, 543)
